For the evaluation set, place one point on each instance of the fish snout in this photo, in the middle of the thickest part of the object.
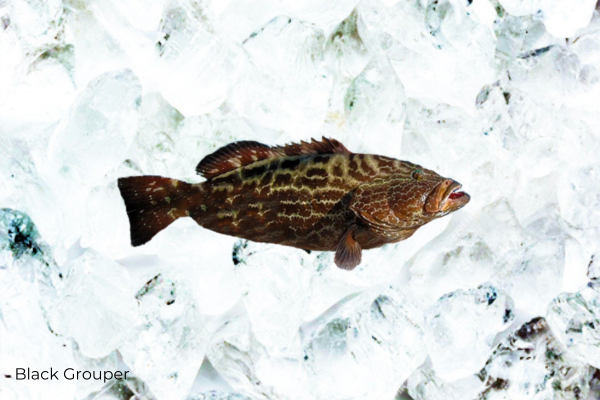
(446, 197)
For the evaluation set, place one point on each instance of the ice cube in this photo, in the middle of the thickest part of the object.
(98, 291)
(191, 254)
(123, 389)
(285, 86)
(526, 267)
(435, 47)
(462, 326)
(364, 347)
(239, 18)
(40, 98)
(196, 66)
(277, 284)
(245, 364)
(24, 254)
(521, 7)
(94, 137)
(563, 20)
(37, 23)
(531, 363)
(579, 197)
(167, 341)
(345, 51)
(30, 284)
(574, 318)
(375, 106)
(521, 36)
(95, 50)
(424, 384)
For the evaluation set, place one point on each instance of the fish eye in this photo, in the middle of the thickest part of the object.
(417, 175)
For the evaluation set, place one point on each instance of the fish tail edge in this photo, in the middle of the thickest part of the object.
(152, 204)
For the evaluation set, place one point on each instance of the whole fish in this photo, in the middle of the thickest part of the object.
(313, 196)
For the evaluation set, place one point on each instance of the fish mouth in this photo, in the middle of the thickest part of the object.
(446, 197)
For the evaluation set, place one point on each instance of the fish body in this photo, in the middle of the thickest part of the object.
(314, 196)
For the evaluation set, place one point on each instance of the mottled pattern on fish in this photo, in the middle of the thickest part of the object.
(314, 196)
(300, 201)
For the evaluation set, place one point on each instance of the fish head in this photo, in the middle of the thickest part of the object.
(419, 195)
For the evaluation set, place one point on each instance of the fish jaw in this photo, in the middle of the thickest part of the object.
(446, 198)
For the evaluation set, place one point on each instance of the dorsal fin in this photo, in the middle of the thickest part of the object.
(323, 146)
(233, 156)
(237, 154)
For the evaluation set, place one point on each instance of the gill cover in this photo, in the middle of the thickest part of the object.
(370, 203)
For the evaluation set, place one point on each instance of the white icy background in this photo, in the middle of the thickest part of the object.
(501, 95)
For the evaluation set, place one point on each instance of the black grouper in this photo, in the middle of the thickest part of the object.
(314, 196)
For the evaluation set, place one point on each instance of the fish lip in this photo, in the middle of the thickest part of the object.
(439, 200)
(451, 203)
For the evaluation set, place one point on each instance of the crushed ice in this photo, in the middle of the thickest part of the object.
(500, 300)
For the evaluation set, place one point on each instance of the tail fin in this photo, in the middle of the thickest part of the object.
(152, 204)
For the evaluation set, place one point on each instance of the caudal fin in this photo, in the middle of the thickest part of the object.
(152, 204)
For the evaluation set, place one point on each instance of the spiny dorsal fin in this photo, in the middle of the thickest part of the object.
(245, 152)
(233, 156)
(323, 146)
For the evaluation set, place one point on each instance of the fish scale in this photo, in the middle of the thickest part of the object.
(314, 196)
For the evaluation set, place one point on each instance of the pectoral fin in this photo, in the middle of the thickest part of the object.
(349, 252)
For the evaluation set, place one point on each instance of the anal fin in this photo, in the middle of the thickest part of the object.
(348, 253)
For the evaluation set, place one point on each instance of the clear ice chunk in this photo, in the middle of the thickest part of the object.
(239, 18)
(167, 340)
(531, 363)
(20, 243)
(94, 137)
(98, 291)
(277, 284)
(193, 257)
(521, 36)
(97, 365)
(424, 384)
(364, 347)
(25, 255)
(375, 105)
(196, 66)
(462, 326)
(245, 364)
(39, 99)
(124, 389)
(521, 7)
(434, 47)
(168, 144)
(345, 52)
(346, 56)
(156, 141)
(30, 286)
(285, 85)
(564, 19)
(105, 223)
(37, 23)
(579, 197)
(526, 267)
(575, 320)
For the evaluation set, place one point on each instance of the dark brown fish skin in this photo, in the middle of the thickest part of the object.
(304, 201)
(341, 202)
